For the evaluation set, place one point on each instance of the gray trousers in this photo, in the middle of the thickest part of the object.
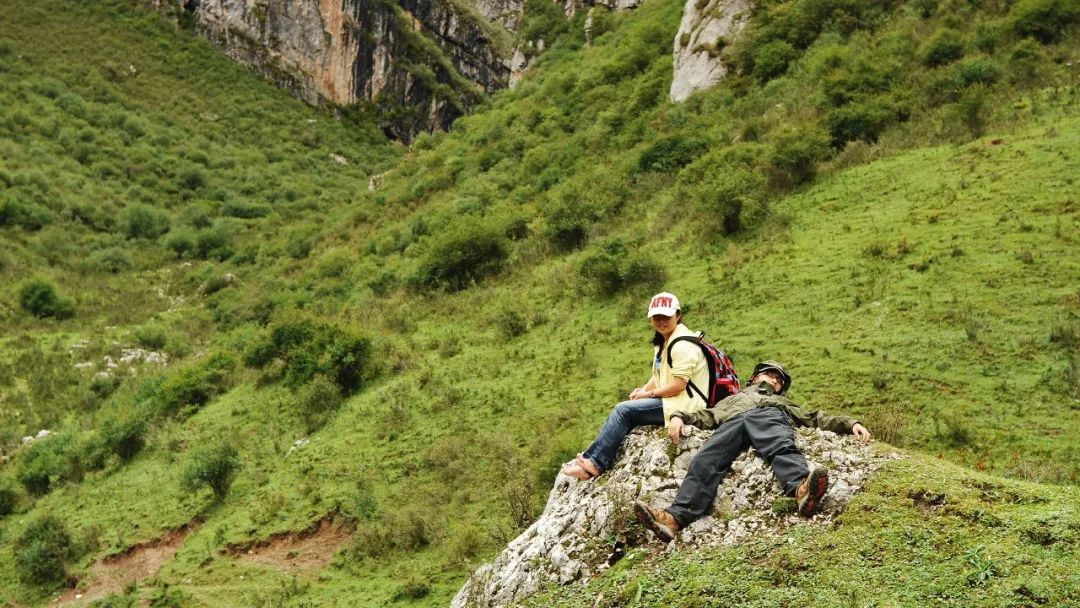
(768, 430)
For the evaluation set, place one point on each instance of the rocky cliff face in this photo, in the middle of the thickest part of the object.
(571, 540)
(706, 28)
(421, 63)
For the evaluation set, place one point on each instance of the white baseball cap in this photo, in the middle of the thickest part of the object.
(664, 303)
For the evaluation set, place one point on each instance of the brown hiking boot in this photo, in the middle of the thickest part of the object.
(661, 522)
(811, 490)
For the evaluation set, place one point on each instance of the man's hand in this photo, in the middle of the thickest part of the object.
(860, 432)
(639, 393)
(674, 429)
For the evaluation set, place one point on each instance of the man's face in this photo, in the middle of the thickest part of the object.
(774, 379)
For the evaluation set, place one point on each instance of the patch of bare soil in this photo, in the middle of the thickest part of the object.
(310, 549)
(140, 561)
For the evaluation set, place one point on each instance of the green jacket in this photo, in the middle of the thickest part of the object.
(762, 395)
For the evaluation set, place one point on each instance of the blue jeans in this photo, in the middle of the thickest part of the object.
(623, 419)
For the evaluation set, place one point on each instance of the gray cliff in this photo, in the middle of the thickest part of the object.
(419, 63)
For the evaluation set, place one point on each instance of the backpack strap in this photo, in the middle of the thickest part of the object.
(691, 388)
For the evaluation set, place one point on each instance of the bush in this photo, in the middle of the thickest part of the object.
(144, 222)
(795, 154)
(510, 323)
(245, 210)
(189, 389)
(413, 588)
(43, 552)
(671, 153)
(26, 215)
(42, 461)
(9, 497)
(945, 46)
(568, 221)
(1044, 20)
(124, 437)
(112, 260)
(614, 268)
(863, 121)
(772, 59)
(39, 298)
(976, 71)
(461, 256)
(728, 196)
(316, 401)
(151, 336)
(306, 349)
(213, 466)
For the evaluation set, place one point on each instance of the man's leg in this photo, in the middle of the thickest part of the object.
(708, 468)
(773, 437)
(624, 418)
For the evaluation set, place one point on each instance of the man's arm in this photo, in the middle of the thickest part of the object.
(818, 419)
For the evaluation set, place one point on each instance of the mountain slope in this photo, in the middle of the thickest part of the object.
(930, 286)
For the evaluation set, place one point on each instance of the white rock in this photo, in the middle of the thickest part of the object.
(703, 32)
(569, 540)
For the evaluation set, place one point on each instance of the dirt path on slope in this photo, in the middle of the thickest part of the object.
(310, 549)
(141, 561)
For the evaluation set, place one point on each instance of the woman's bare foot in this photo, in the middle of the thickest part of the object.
(582, 469)
(588, 465)
(576, 472)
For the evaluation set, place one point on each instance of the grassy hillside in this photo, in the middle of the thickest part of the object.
(895, 220)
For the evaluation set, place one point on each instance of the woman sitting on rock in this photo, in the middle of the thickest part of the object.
(666, 391)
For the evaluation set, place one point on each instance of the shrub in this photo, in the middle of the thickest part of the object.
(39, 298)
(613, 268)
(26, 215)
(245, 210)
(863, 121)
(190, 388)
(414, 587)
(44, 549)
(9, 497)
(510, 323)
(460, 257)
(727, 196)
(1044, 20)
(975, 71)
(181, 242)
(151, 336)
(124, 437)
(192, 178)
(316, 401)
(144, 222)
(112, 260)
(307, 349)
(794, 155)
(772, 59)
(945, 46)
(671, 153)
(568, 221)
(213, 466)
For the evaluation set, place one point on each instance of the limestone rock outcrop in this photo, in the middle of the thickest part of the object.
(707, 27)
(422, 62)
(570, 541)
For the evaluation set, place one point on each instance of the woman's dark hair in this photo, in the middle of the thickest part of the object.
(657, 339)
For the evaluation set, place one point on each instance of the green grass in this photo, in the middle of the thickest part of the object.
(925, 281)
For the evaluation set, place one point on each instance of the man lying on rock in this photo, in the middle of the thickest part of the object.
(761, 417)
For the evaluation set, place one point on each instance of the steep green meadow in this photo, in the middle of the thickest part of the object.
(445, 341)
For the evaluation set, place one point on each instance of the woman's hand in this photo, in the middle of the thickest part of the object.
(639, 393)
(674, 429)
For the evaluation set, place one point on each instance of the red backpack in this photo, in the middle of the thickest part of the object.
(724, 381)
